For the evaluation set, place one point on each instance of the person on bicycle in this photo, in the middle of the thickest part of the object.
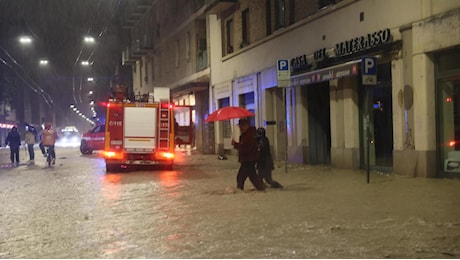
(48, 139)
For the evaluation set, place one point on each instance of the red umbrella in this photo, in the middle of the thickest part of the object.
(227, 113)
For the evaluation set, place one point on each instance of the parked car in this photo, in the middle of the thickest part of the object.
(93, 140)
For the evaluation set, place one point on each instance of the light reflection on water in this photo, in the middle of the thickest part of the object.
(169, 178)
(130, 197)
(111, 188)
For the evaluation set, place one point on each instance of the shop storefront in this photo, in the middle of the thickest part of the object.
(347, 120)
(447, 66)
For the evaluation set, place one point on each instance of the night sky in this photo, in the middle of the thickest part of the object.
(58, 28)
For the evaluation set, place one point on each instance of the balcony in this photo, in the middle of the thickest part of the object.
(137, 49)
(134, 10)
(129, 58)
(218, 6)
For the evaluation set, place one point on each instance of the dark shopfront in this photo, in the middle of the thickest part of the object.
(448, 112)
(377, 100)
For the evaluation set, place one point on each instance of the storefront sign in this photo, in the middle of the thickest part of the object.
(369, 41)
(364, 42)
(330, 73)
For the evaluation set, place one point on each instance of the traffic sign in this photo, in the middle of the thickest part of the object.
(283, 73)
(369, 70)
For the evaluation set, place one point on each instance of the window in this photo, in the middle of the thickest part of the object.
(280, 8)
(187, 46)
(245, 27)
(268, 15)
(141, 66)
(229, 35)
(146, 71)
(176, 53)
(324, 3)
(153, 67)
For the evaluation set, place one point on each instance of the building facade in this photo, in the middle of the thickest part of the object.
(404, 119)
(168, 48)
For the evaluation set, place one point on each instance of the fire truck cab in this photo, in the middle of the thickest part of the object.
(140, 132)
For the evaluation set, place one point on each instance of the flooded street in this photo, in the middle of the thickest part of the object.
(76, 210)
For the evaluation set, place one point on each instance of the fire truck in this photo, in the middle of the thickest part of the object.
(140, 132)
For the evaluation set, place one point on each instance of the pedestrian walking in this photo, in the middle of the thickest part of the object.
(30, 141)
(247, 156)
(14, 141)
(265, 163)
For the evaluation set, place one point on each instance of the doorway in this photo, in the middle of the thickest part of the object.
(376, 113)
(448, 112)
(319, 123)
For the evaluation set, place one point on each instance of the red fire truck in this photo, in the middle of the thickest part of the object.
(140, 132)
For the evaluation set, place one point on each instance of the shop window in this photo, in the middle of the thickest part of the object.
(247, 101)
(448, 117)
(226, 125)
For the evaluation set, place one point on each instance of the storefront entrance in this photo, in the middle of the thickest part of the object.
(448, 116)
(319, 123)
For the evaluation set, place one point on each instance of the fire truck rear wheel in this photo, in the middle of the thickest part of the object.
(111, 168)
(168, 167)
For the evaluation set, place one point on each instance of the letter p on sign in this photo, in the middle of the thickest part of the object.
(369, 70)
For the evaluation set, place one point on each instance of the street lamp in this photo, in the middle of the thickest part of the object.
(89, 39)
(25, 40)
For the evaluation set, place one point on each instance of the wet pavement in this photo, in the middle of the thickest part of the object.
(76, 210)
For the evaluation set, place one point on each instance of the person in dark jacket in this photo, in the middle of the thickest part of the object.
(247, 156)
(265, 162)
(14, 141)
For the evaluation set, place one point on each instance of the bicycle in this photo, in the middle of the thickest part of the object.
(49, 159)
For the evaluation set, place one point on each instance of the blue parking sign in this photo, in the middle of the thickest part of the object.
(283, 65)
(369, 70)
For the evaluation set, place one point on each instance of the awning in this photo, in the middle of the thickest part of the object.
(346, 69)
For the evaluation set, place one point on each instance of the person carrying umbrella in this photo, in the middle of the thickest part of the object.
(247, 156)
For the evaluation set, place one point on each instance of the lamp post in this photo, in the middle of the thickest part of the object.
(23, 97)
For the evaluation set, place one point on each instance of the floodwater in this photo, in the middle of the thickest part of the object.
(76, 210)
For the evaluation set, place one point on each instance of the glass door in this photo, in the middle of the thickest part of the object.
(448, 112)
